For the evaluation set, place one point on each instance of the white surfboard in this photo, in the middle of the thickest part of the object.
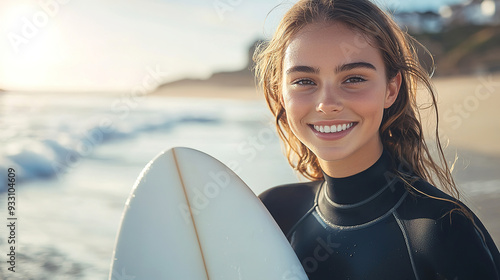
(190, 217)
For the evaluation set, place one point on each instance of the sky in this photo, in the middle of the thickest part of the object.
(115, 45)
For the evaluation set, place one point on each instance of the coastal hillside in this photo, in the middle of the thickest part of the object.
(463, 50)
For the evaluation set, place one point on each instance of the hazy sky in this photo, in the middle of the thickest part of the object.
(99, 45)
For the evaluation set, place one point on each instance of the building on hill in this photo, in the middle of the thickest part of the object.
(476, 12)
(472, 12)
(420, 22)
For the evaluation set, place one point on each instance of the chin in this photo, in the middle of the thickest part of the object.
(331, 153)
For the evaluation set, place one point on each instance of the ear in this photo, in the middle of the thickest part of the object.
(392, 90)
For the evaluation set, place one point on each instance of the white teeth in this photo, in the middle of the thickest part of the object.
(333, 128)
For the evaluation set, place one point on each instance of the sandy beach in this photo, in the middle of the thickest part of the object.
(468, 128)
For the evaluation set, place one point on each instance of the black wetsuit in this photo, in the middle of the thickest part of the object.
(369, 226)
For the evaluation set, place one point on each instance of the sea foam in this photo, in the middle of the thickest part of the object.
(45, 135)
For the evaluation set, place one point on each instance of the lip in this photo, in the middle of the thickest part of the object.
(336, 122)
(335, 135)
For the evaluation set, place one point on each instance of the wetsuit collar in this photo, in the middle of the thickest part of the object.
(362, 186)
(362, 198)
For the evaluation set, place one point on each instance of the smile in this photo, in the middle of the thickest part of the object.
(333, 128)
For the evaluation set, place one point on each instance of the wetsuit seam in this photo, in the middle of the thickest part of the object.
(483, 243)
(299, 221)
(315, 203)
(357, 204)
(367, 224)
(407, 242)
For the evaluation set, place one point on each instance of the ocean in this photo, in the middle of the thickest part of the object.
(75, 158)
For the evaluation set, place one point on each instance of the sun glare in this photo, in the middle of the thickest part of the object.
(488, 8)
(34, 43)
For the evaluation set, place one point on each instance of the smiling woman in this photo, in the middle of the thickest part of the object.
(341, 79)
(347, 90)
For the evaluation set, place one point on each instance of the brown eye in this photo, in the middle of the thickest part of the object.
(355, 80)
(303, 82)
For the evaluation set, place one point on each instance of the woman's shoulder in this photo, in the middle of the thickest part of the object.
(428, 201)
(288, 203)
(291, 191)
(432, 205)
(444, 232)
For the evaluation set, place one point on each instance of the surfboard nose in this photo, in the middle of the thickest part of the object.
(191, 217)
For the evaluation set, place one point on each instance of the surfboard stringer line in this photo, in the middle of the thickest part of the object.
(190, 211)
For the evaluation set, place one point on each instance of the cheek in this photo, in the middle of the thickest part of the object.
(369, 105)
(296, 109)
(292, 112)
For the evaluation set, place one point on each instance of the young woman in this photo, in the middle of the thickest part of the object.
(341, 79)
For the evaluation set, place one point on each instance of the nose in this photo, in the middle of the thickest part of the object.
(329, 100)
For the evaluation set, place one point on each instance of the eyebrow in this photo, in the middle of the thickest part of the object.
(305, 69)
(341, 68)
(354, 65)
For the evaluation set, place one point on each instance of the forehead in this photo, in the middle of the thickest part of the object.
(335, 43)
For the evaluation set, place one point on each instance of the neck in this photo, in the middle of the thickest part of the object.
(352, 164)
(362, 185)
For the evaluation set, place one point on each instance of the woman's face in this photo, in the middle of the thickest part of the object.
(334, 92)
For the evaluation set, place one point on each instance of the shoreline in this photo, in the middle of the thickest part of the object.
(208, 92)
(206, 89)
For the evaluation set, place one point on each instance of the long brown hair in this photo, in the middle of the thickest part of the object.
(401, 130)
